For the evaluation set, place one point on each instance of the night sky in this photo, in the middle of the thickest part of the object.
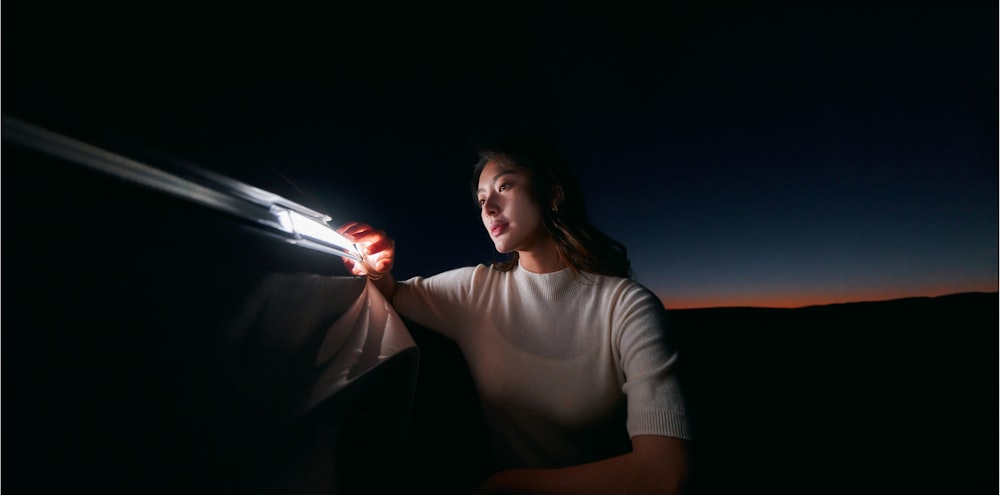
(765, 154)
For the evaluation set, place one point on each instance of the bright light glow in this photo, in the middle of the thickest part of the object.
(284, 219)
(316, 230)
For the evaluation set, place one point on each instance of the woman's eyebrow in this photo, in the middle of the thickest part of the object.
(495, 177)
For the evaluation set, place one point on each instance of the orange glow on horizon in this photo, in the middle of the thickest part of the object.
(801, 299)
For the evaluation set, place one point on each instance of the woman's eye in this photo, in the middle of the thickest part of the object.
(482, 202)
(503, 187)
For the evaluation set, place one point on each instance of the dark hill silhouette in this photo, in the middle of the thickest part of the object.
(893, 394)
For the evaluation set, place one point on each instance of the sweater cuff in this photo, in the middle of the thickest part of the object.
(662, 423)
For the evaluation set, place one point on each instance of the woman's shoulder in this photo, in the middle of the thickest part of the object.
(626, 283)
(623, 288)
(463, 274)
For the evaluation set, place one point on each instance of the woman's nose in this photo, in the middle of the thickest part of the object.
(491, 206)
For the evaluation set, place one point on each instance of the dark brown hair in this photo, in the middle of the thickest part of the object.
(556, 190)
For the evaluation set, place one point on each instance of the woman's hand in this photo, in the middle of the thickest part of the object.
(378, 249)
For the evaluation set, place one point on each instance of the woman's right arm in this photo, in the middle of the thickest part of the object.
(440, 302)
(379, 250)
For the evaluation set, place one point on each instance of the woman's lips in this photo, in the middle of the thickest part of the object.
(497, 228)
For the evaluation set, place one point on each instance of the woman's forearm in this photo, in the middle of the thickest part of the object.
(660, 467)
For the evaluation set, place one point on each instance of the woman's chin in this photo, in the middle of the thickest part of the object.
(502, 249)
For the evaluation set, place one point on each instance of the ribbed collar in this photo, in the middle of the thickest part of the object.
(548, 287)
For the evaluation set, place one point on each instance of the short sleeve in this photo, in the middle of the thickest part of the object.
(648, 360)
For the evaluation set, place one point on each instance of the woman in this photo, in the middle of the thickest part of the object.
(570, 357)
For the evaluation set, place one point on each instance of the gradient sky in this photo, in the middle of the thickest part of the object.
(776, 155)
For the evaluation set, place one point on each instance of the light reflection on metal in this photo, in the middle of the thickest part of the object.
(296, 223)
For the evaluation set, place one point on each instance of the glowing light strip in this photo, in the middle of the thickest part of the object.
(315, 230)
(306, 227)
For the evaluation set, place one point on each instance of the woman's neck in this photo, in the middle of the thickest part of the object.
(541, 259)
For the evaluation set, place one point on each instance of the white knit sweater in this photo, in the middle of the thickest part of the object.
(567, 367)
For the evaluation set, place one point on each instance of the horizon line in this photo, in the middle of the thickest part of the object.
(775, 302)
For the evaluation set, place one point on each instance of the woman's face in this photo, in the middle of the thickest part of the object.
(509, 212)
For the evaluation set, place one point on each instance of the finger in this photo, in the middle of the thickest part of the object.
(383, 257)
(382, 245)
(352, 229)
(383, 265)
(352, 267)
(343, 228)
(365, 233)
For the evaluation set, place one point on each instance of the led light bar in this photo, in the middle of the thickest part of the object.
(295, 223)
